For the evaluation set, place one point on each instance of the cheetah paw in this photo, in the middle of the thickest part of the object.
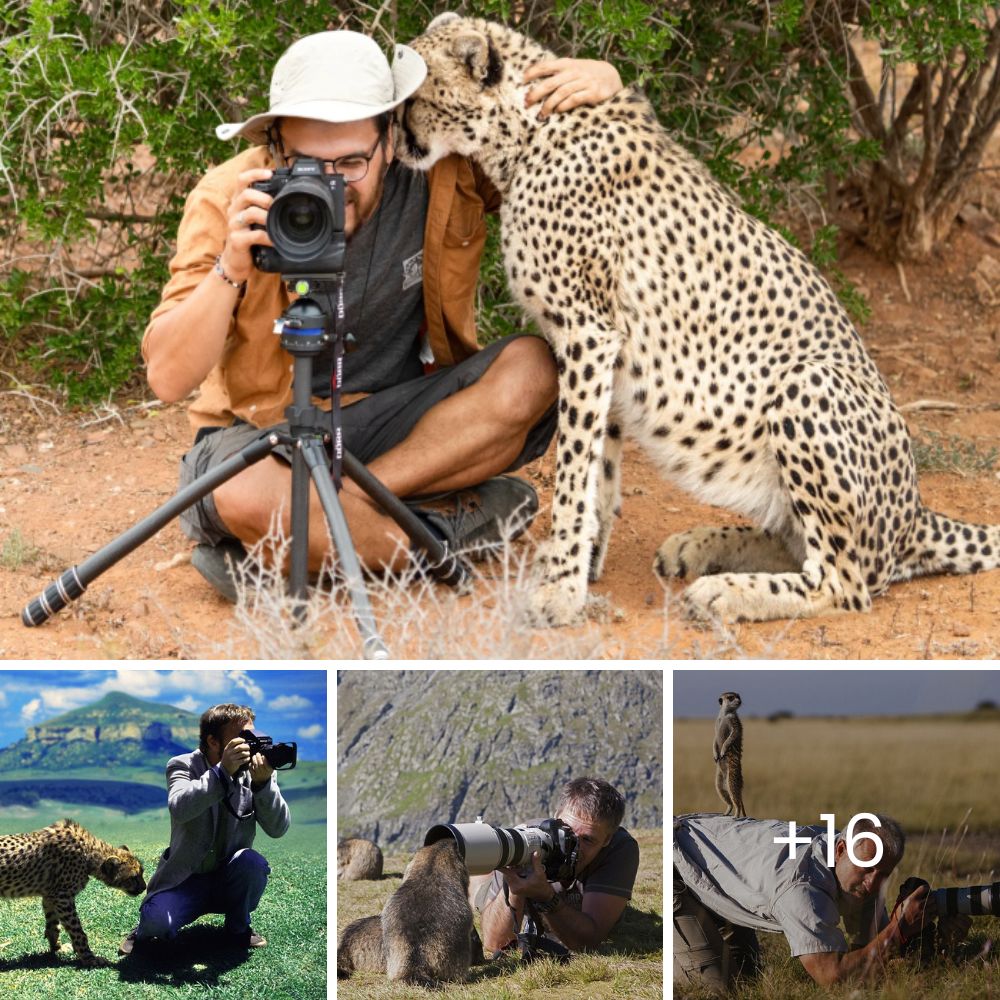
(670, 558)
(714, 597)
(555, 604)
(91, 961)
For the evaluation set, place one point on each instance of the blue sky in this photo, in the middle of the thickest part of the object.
(290, 705)
(815, 691)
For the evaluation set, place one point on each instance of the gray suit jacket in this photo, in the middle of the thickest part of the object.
(195, 794)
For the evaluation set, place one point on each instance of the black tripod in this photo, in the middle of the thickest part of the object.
(306, 329)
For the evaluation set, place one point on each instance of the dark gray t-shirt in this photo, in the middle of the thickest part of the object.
(383, 291)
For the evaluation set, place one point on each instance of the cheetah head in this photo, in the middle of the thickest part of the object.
(474, 69)
(122, 870)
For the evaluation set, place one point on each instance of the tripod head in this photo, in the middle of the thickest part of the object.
(305, 327)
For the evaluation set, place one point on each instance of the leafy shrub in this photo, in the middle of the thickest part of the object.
(109, 111)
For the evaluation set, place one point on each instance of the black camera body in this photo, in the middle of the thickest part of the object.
(305, 221)
(280, 756)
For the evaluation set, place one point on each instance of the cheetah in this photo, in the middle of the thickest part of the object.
(678, 319)
(55, 863)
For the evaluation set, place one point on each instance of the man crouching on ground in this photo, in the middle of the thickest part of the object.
(217, 797)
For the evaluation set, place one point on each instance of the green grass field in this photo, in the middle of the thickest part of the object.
(292, 916)
(935, 774)
(628, 965)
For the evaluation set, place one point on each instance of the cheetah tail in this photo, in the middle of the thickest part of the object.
(940, 544)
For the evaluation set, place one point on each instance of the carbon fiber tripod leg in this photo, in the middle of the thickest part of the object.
(372, 646)
(75, 581)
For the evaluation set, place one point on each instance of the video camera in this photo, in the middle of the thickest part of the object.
(484, 847)
(305, 221)
(280, 756)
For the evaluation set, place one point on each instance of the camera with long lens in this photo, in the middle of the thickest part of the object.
(280, 756)
(484, 847)
(973, 900)
(305, 221)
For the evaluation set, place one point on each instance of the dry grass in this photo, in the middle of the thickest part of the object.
(629, 964)
(419, 618)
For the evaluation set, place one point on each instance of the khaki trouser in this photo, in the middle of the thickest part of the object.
(709, 951)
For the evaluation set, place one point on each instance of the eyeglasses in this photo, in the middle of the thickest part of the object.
(353, 167)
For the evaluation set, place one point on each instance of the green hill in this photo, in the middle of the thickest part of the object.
(116, 731)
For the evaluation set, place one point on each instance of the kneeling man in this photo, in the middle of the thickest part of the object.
(217, 796)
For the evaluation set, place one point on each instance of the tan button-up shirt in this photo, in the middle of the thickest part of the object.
(253, 378)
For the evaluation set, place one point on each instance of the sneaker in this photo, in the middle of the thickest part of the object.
(127, 945)
(218, 564)
(247, 939)
(485, 516)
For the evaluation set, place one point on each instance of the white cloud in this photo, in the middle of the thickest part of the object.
(30, 709)
(311, 732)
(240, 679)
(190, 704)
(290, 703)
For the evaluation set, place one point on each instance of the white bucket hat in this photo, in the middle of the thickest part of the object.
(334, 76)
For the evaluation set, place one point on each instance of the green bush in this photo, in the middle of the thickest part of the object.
(109, 111)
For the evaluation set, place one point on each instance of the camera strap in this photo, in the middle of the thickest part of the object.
(531, 942)
(336, 385)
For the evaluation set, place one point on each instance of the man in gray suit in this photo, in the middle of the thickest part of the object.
(217, 797)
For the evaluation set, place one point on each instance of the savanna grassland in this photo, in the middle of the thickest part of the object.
(629, 964)
(937, 775)
(291, 915)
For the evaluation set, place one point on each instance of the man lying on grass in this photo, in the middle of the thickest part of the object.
(582, 914)
(731, 879)
(217, 797)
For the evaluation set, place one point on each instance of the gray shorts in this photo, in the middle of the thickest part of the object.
(371, 427)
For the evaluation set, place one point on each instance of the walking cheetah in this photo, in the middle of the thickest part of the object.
(680, 320)
(55, 863)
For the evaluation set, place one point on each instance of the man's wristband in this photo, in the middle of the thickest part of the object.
(550, 905)
(238, 285)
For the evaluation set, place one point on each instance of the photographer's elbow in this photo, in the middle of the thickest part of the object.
(165, 387)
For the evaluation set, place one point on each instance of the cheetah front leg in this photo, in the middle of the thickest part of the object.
(609, 497)
(586, 377)
(65, 908)
(51, 923)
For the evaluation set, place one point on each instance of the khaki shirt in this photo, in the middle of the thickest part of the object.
(253, 379)
(737, 870)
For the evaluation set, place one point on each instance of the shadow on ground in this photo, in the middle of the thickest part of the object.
(637, 933)
(198, 955)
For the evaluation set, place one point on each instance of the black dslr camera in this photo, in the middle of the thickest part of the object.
(280, 756)
(305, 221)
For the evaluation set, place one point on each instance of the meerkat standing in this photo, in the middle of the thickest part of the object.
(728, 753)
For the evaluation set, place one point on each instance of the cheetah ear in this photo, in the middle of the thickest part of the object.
(480, 57)
(444, 18)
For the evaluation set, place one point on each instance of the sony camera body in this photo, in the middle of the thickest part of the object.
(305, 221)
(485, 848)
(280, 756)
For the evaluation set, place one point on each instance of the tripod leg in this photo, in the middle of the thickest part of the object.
(298, 571)
(371, 642)
(444, 564)
(75, 581)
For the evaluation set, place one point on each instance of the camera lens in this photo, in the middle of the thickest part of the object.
(301, 219)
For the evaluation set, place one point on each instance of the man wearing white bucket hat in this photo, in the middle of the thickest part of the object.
(424, 408)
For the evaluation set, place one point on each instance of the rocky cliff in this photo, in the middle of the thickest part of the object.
(117, 729)
(415, 748)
